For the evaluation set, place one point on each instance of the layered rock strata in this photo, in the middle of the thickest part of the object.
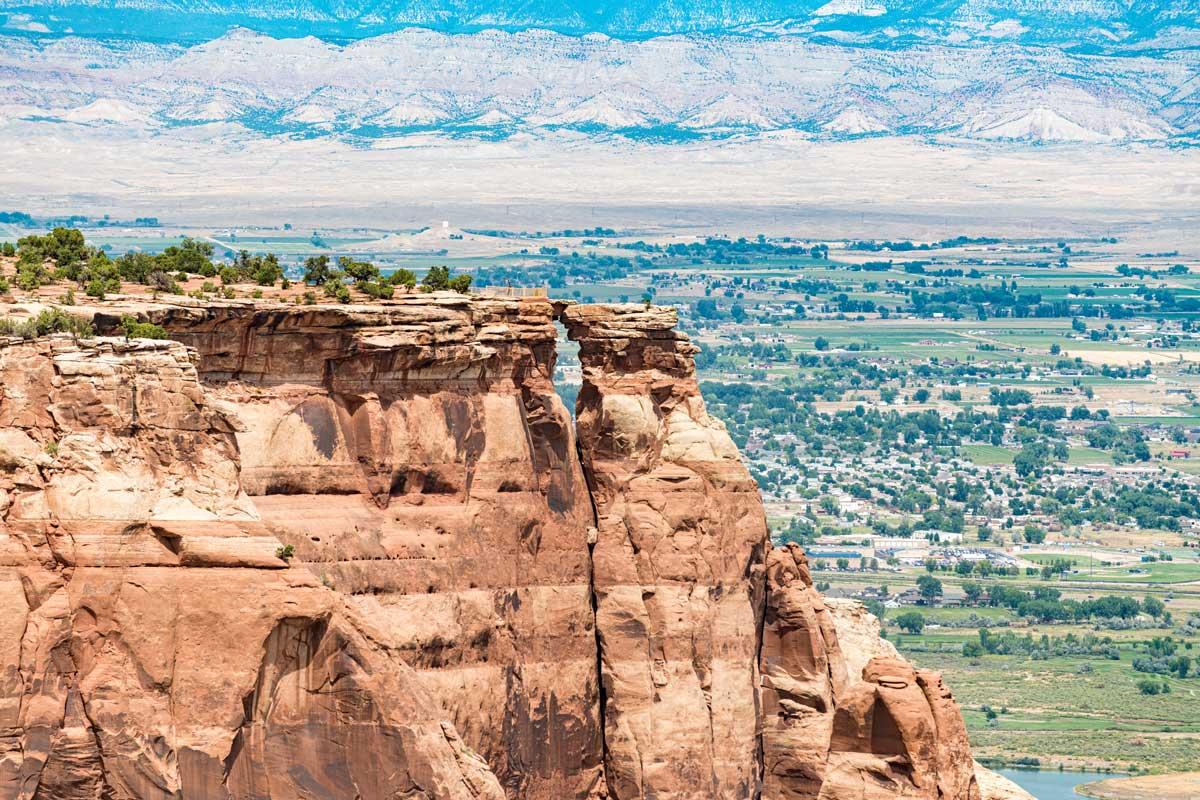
(153, 645)
(418, 460)
(363, 552)
(858, 725)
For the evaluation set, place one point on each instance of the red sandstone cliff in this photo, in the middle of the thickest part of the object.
(478, 604)
(680, 537)
(153, 646)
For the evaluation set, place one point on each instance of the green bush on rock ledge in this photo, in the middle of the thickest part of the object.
(141, 330)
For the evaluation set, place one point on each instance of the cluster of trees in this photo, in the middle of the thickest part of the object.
(134, 329)
(930, 588)
(1151, 505)
(586, 269)
(983, 568)
(1045, 604)
(712, 357)
(1126, 444)
(64, 247)
(53, 320)
(320, 271)
(63, 254)
(941, 296)
(56, 320)
(1162, 657)
(567, 233)
(1009, 643)
(842, 563)
(720, 250)
(1009, 397)
(906, 246)
(97, 274)
(910, 622)
(1149, 687)
(368, 279)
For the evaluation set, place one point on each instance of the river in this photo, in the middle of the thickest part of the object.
(1047, 784)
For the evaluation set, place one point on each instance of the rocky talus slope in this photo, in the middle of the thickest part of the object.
(364, 552)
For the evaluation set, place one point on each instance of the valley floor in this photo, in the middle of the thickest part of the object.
(889, 186)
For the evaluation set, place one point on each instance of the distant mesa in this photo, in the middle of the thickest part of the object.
(853, 122)
(413, 112)
(107, 110)
(601, 111)
(732, 112)
(1045, 125)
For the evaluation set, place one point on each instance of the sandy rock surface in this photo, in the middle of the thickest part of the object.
(1179, 786)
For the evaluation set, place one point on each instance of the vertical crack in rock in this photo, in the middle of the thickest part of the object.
(756, 576)
(593, 600)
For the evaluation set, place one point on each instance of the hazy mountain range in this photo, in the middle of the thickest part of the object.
(362, 70)
(499, 84)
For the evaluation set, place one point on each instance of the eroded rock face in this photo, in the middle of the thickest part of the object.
(994, 786)
(152, 644)
(844, 716)
(419, 461)
(595, 610)
(803, 678)
(678, 552)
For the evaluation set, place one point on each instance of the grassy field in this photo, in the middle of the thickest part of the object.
(986, 455)
(1110, 722)
(1088, 455)
(1157, 572)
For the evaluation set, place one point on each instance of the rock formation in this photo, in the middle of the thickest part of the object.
(362, 552)
(680, 530)
(154, 646)
(418, 460)
(858, 634)
(849, 726)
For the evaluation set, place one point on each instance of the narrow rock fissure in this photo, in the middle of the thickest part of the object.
(595, 603)
(602, 694)
(761, 621)
(86, 712)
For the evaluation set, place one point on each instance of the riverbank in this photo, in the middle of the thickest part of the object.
(1178, 786)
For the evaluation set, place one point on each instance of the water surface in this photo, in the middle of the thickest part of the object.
(1047, 784)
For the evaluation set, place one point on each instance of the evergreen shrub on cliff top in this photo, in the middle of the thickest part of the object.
(50, 321)
(134, 329)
